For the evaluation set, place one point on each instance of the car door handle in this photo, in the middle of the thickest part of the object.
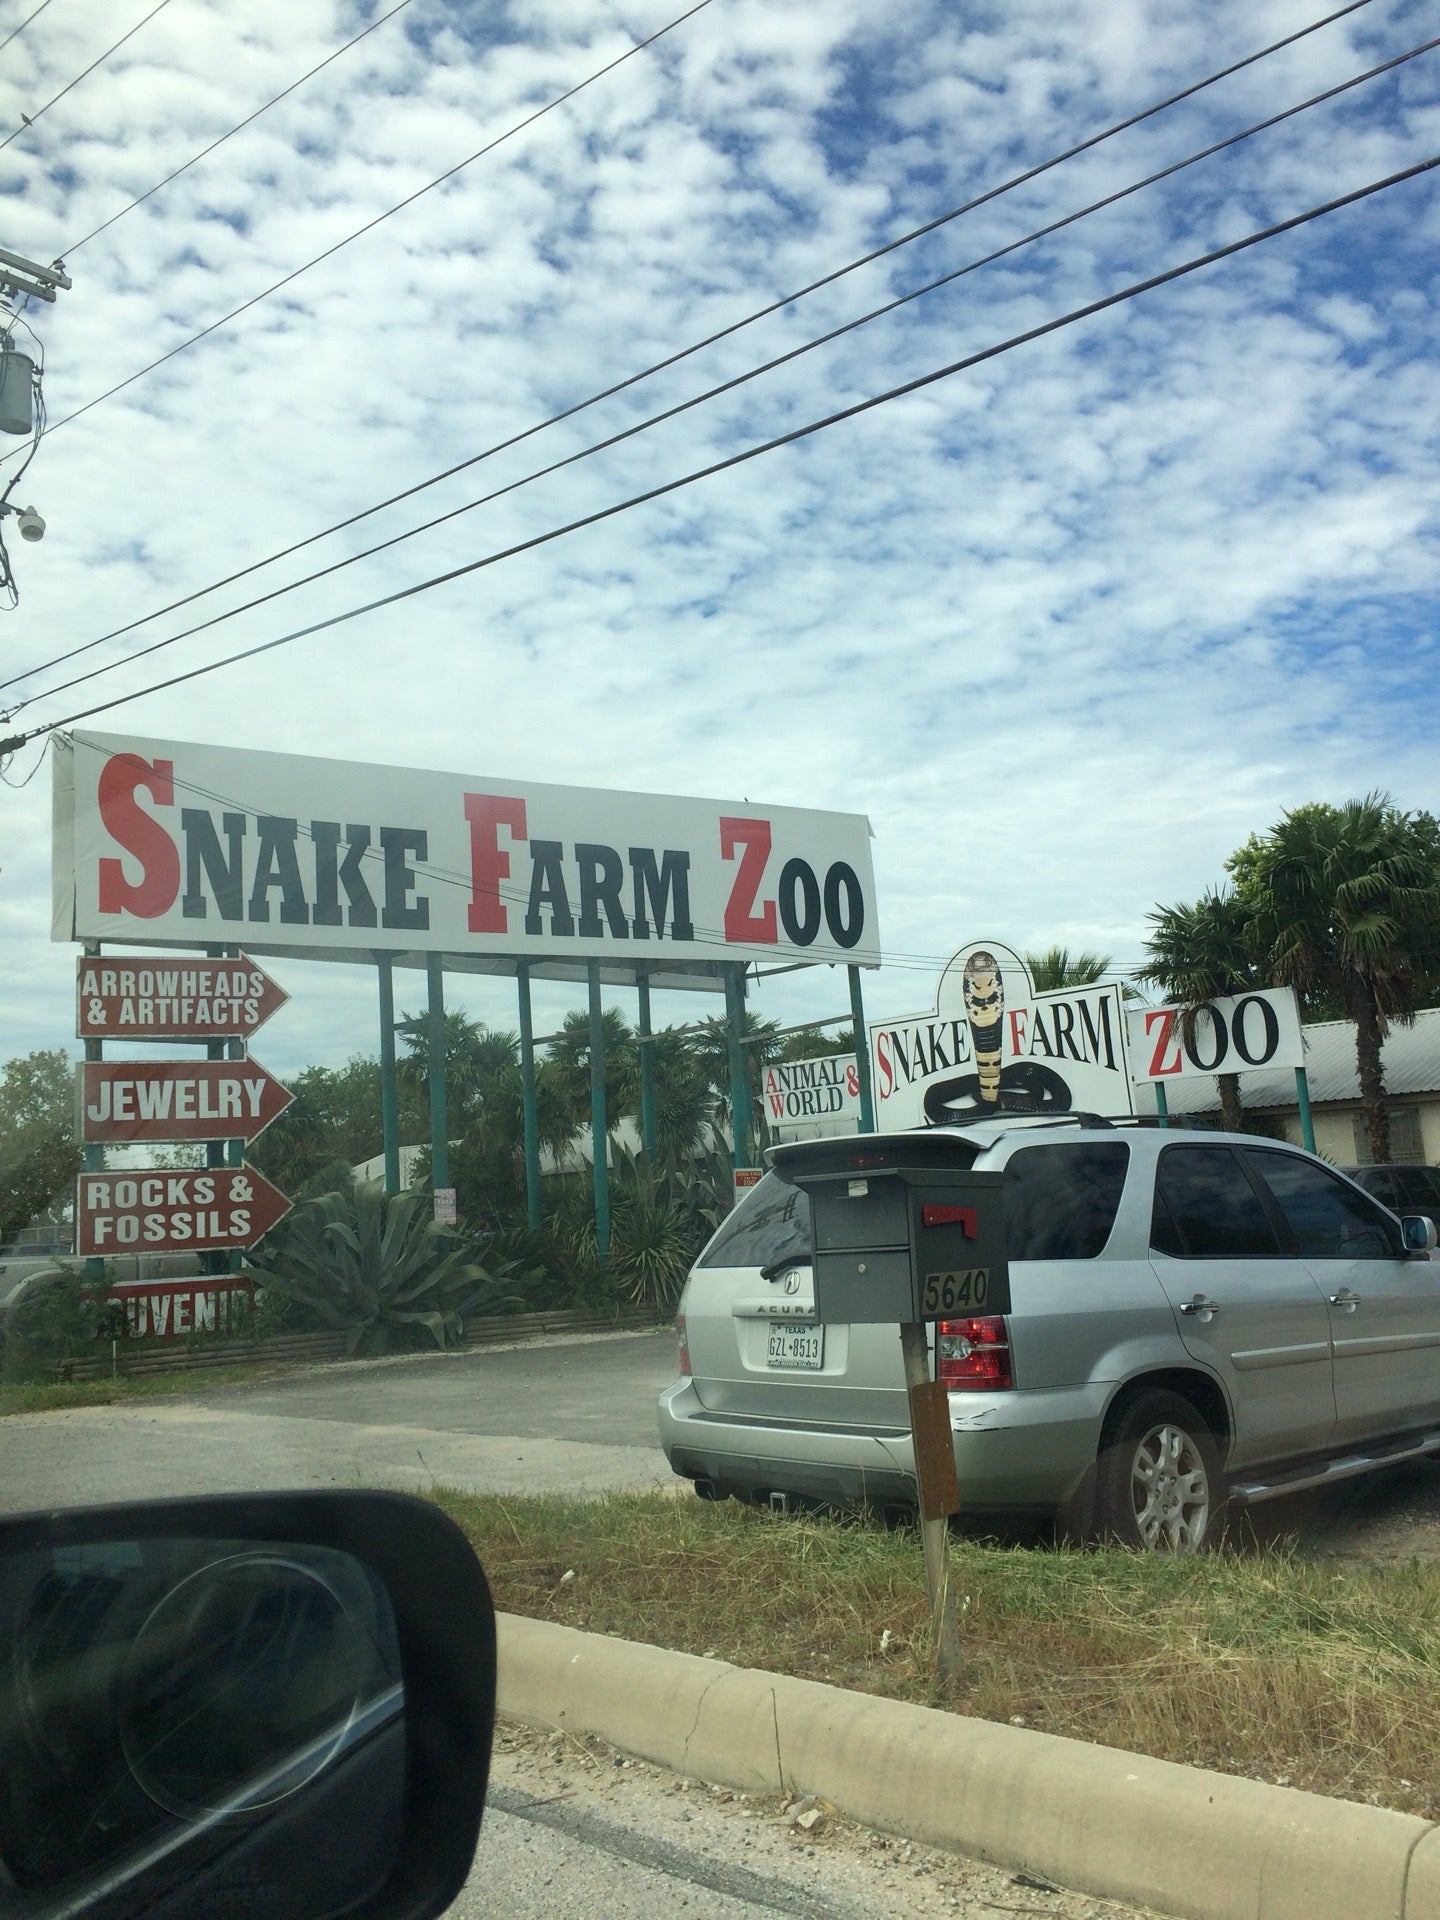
(1200, 1305)
(1345, 1300)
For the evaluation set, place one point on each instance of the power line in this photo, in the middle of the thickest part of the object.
(851, 412)
(15, 32)
(240, 126)
(674, 359)
(28, 120)
(380, 218)
(726, 386)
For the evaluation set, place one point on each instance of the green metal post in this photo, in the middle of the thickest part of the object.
(739, 1066)
(439, 1114)
(1162, 1105)
(599, 1138)
(647, 1070)
(1307, 1123)
(527, 1094)
(93, 1157)
(389, 1085)
(216, 1150)
(862, 1053)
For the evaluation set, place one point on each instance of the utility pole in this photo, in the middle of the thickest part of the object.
(21, 408)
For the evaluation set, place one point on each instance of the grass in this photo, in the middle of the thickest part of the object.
(1261, 1664)
(51, 1396)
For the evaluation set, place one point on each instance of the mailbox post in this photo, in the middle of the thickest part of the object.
(902, 1237)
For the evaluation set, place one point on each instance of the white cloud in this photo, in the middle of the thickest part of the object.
(1125, 593)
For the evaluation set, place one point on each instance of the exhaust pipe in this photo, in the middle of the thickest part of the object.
(779, 1503)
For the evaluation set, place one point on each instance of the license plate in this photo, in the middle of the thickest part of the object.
(796, 1347)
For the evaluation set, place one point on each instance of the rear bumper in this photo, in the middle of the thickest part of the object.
(1013, 1452)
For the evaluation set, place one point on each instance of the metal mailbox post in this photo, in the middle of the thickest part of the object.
(902, 1238)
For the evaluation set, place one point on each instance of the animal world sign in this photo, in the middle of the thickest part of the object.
(810, 1096)
(995, 1045)
(174, 843)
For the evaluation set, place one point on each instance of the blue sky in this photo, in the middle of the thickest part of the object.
(1067, 627)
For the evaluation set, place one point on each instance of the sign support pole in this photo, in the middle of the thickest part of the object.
(599, 1137)
(215, 1149)
(647, 1068)
(389, 1090)
(439, 1116)
(739, 1067)
(1162, 1105)
(529, 1109)
(862, 1052)
(938, 1489)
(92, 1159)
(1307, 1123)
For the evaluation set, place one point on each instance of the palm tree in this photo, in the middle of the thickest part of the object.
(1058, 967)
(1347, 905)
(1205, 952)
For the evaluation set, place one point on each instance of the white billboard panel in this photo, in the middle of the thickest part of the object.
(995, 1045)
(1238, 1035)
(175, 842)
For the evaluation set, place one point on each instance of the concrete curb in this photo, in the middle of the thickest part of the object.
(1205, 1846)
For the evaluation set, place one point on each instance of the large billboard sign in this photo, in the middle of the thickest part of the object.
(995, 1045)
(176, 843)
(1243, 1034)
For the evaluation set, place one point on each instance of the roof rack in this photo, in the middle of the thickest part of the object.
(1073, 1117)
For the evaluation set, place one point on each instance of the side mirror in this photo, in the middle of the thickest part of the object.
(266, 1703)
(1419, 1232)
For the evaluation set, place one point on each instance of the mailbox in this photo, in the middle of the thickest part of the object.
(900, 1237)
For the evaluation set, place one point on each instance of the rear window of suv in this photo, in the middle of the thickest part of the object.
(1060, 1204)
(1061, 1200)
(771, 1223)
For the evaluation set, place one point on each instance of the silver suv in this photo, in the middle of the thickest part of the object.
(1195, 1318)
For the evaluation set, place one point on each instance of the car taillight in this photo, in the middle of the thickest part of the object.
(973, 1356)
(680, 1335)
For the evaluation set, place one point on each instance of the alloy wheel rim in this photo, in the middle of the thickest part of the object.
(1169, 1489)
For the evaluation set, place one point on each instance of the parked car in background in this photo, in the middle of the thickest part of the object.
(1195, 1319)
(1404, 1189)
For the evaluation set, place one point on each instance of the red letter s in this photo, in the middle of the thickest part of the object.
(121, 778)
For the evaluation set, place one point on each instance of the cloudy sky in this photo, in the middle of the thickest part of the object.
(1067, 627)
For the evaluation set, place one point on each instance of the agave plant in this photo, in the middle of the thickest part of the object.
(379, 1269)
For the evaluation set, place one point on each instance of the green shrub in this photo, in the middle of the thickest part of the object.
(55, 1319)
(378, 1270)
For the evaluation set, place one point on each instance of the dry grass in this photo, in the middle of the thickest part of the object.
(1261, 1664)
(52, 1396)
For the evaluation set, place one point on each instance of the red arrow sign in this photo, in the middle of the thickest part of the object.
(155, 1210)
(184, 996)
(178, 1099)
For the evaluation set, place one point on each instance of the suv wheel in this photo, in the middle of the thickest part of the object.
(1161, 1488)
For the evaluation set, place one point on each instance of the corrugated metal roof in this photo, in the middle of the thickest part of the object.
(1410, 1057)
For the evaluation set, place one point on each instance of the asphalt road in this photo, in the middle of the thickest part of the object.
(575, 1415)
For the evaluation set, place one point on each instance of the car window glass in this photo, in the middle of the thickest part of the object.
(1061, 1201)
(771, 1223)
(1383, 1185)
(1210, 1209)
(1412, 1190)
(1331, 1220)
